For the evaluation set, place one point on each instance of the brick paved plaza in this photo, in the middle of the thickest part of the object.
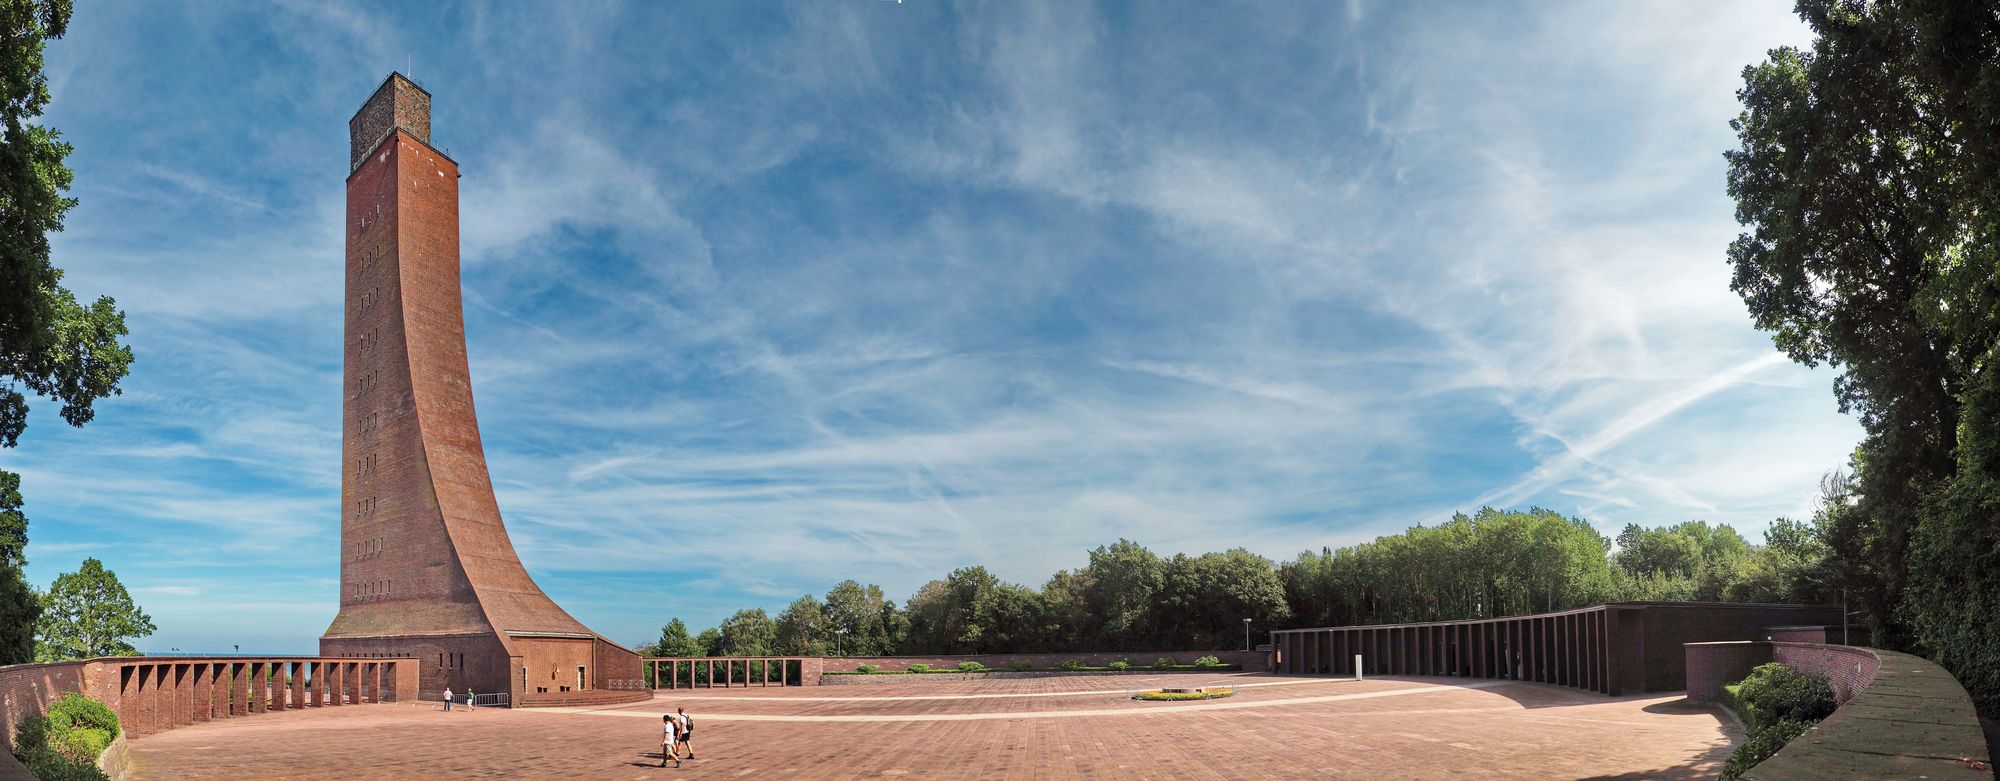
(1069, 727)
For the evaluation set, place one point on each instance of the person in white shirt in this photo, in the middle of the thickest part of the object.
(670, 737)
(447, 699)
(687, 730)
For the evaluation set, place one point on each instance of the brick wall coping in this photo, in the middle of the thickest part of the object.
(1912, 720)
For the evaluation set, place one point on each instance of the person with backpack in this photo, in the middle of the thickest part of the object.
(670, 737)
(687, 730)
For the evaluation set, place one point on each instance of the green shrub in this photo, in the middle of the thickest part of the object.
(1762, 744)
(1121, 665)
(920, 667)
(64, 745)
(1071, 664)
(1164, 663)
(971, 667)
(75, 711)
(865, 668)
(1207, 662)
(1774, 692)
(1021, 665)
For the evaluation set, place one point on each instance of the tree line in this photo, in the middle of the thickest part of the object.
(1127, 598)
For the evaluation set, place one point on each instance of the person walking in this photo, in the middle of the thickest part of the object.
(687, 729)
(670, 738)
(447, 699)
(471, 700)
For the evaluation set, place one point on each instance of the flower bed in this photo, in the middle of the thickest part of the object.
(1163, 695)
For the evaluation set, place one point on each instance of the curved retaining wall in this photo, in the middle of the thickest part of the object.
(1900, 716)
(26, 690)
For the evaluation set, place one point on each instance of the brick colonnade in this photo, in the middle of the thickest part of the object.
(1568, 649)
(155, 694)
(734, 671)
(1622, 647)
(1249, 660)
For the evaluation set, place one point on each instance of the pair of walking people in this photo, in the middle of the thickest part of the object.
(676, 732)
(470, 698)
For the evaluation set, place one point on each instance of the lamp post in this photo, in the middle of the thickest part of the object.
(837, 634)
(1246, 634)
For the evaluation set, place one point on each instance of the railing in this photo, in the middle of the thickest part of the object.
(501, 700)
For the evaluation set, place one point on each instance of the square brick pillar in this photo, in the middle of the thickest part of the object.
(203, 692)
(298, 684)
(260, 687)
(280, 686)
(352, 675)
(183, 694)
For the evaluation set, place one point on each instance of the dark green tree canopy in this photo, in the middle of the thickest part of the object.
(1868, 180)
(50, 344)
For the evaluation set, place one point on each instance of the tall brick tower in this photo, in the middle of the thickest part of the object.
(426, 567)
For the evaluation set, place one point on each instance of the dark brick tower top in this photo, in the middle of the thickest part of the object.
(426, 568)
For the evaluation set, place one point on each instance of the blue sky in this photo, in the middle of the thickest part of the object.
(764, 296)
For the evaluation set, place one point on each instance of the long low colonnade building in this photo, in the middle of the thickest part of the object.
(1617, 648)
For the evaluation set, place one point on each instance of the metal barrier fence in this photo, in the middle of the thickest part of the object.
(727, 672)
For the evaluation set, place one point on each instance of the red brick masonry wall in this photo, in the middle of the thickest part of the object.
(27, 689)
(1710, 666)
(155, 694)
(1849, 669)
(1250, 660)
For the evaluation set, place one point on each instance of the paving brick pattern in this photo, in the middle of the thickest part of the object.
(1414, 728)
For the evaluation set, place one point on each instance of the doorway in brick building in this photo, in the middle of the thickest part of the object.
(580, 679)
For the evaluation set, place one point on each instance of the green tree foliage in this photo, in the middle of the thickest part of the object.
(87, 613)
(1204, 599)
(1491, 563)
(803, 629)
(676, 642)
(1868, 176)
(1125, 580)
(19, 607)
(856, 614)
(747, 633)
(50, 345)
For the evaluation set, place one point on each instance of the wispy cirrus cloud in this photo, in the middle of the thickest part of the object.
(762, 300)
